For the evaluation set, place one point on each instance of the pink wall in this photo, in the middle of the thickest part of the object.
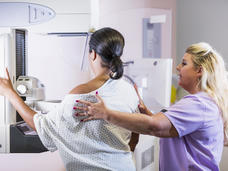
(108, 7)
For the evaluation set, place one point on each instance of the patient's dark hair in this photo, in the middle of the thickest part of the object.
(109, 44)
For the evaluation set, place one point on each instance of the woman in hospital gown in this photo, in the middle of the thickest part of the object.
(95, 145)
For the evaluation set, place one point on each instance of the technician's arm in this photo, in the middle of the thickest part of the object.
(156, 125)
(6, 89)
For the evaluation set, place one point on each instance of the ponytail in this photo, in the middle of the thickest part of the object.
(109, 44)
(116, 67)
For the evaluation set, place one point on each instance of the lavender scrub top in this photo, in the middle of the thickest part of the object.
(199, 146)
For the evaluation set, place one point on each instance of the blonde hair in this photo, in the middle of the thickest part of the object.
(214, 80)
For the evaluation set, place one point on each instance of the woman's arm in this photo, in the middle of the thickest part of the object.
(156, 125)
(133, 141)
(25, 112)
(6, 89)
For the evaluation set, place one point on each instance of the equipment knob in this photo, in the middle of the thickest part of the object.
(21, 89)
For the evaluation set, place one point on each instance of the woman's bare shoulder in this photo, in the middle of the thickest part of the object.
(81, 89)
(84, 88)
(90, 86)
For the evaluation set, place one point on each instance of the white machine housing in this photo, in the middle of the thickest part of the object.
(30, 87)
(34, 91)
(15, 14)
(153, 77)
(7, 112)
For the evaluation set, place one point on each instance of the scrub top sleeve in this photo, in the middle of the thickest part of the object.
(47, 127)
(186, 115)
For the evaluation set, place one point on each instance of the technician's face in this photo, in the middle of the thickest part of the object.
(188, 74)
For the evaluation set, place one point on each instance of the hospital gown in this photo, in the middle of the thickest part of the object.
(93, 145)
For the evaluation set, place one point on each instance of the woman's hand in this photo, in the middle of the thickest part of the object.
(93, 110)
(5, 85)
(142, 107)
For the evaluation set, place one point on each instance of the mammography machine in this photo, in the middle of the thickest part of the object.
(22, 137)
(15, 135)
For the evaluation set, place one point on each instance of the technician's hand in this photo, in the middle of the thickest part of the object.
(5, 84)
(93, 110)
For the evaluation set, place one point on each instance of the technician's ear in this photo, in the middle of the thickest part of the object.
(200, 71)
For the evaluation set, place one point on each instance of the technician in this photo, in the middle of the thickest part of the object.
(193, 130)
